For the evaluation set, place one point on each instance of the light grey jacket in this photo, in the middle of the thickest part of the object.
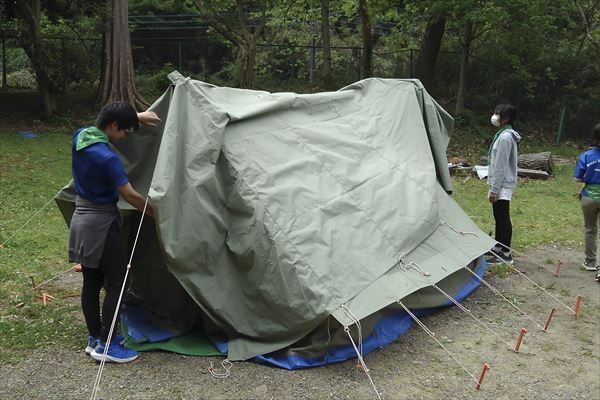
(502, 171)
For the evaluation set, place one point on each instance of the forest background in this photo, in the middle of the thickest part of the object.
(543, 56)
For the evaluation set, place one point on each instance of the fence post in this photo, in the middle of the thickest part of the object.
(4, 84)
(561, 124)
(359, 56)
(293, 63)
(313, 54)
(179, 53)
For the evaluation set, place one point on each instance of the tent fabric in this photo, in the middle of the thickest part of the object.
(278, 213)
(387, 326)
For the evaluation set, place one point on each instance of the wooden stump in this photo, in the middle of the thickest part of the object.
(538, 161)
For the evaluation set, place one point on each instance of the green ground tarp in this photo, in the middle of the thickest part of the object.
(275, 210)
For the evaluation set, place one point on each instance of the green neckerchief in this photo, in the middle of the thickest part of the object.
(593, 191)
(502, 129)
(89, 136)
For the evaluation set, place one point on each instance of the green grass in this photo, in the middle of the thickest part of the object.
(542, 212)
(31, 172)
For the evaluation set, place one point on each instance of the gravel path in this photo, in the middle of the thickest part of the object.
(561, 364)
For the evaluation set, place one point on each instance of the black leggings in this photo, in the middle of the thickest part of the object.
(501, 210)
(112, 268)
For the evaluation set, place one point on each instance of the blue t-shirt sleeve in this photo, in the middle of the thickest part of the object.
(116, 172)
(580, 167)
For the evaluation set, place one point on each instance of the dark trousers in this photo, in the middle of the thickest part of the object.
(591, 216)
(501, 209)
(112, 268)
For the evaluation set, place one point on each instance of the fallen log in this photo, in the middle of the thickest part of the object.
(532, 173)
(522, 172)
(537, 161)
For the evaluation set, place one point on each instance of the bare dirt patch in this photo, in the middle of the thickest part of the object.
(563, 363)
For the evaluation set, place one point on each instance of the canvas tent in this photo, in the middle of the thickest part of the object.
(283, 218)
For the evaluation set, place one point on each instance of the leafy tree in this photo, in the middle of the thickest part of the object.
(30, 21)
(243, 31)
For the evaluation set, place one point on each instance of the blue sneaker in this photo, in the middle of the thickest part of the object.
(116, 353)
(92, 342)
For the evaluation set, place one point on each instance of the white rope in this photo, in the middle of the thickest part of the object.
(460, 233)
(362, 362)
(29, 220)
(114, 321)
(496, 291)
(403, 266)
(226, 364)
(466, 310)
(432, 335)
(54, 277)
(530, 280)
(358, 326)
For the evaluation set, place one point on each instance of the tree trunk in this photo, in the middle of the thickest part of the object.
(367, 38)
(117, 82)
(327, 81)
(464, 65)
(428, 53)
(34, 48)
(539, 161)
(246, 60)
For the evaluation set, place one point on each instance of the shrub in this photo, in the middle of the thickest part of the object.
(24, 79)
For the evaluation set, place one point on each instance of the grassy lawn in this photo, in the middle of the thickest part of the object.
(33, 170)
(542, 212)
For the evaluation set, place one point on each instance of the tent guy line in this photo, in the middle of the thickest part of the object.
(35, 287)
(362, 362)
(468, 312)
(532, 281)
(31, 218)
(356, 322)
(496, 291)
(432, 335)
(226, 364)
(116, 314)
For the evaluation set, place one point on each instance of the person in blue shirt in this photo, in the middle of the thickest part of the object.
(95, 237)
(587, 171)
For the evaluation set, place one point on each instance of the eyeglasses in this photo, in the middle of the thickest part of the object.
(127, 131)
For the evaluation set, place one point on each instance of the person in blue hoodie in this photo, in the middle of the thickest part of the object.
(502, 177)
(587, 171)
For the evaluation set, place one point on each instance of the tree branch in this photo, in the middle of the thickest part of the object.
(242, 18)
(263, 19)
(219, 26)
(586, 25)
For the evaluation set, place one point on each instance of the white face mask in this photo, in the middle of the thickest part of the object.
(495, 120)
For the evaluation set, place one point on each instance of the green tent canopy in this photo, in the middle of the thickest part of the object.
(282, 218)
